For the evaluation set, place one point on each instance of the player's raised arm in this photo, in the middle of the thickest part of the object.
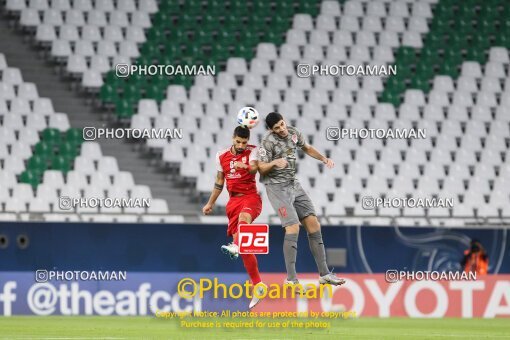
(313, 152)
(254, 167)
(264, 168)
(265, 162)
(253, 161)
(218, 188)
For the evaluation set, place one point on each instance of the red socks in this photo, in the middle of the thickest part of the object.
(251, 265)
(250, 261)
(236, 238)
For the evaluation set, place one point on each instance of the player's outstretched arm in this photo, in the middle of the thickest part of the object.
(313, 152)
(254, 167)
(264, 168)
(218, 188)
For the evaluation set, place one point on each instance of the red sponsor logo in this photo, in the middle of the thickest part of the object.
(282, 211)
(370, 295)
(253, 238)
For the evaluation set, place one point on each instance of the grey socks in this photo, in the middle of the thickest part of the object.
(290, 254)
(318, 252)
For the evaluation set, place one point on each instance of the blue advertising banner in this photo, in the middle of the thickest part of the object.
(139, 294)
(196, 248)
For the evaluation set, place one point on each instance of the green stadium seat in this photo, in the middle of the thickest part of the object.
(403, 71)
(51, 135)
(30, 177)
(107, 94)
(158, 79)
(285, 9)
(193, 7)
(210, 22)
(424, 71)
(162, 17)
(249, 39)
(203, 38)
(389, 97)
(467, 12)
(132, 93)
(449, 69)
(43, 149)
(148, 51)
(477, 54)
(155, 34)
(171, 50)
(61, 163)
(37, 163)
(277, 25)
(488, 13)
(458, 41)
(434, 41)
(69, 150)
(276, 38)
(244, 52)
(431, 59)
(187, 22)
(220, 53)
(74, 136)
(420, 83)
(464, 27)
(147, 59)
(215, 9)
(308, 7)
(184, 80)
(503, 40)
(406, 55)
(124, 108)
(112, 79)
(443, 17)
(262, 8)
(154, 91)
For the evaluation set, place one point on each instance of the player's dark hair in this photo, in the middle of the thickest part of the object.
(242, 132)
(273, 118)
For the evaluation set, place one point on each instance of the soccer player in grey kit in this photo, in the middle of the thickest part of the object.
(277, 167)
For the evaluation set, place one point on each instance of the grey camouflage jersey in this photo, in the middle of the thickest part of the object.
(274, 147)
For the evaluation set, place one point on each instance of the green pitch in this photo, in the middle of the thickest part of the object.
(82, 327)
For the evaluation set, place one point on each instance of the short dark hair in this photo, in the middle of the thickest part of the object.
(273, 118)
(242, 132)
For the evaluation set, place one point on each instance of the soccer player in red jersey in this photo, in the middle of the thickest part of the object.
(238, 166)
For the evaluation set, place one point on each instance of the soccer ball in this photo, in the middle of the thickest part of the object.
(248, 117)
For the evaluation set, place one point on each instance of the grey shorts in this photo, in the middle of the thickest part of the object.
(290, 201)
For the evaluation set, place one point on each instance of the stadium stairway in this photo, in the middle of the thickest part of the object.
(23, 56)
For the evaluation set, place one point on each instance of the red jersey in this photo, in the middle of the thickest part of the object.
(238, 180)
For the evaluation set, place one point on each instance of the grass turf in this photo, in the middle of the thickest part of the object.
(111, 327)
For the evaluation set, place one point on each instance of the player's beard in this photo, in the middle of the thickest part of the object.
(238, 150)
